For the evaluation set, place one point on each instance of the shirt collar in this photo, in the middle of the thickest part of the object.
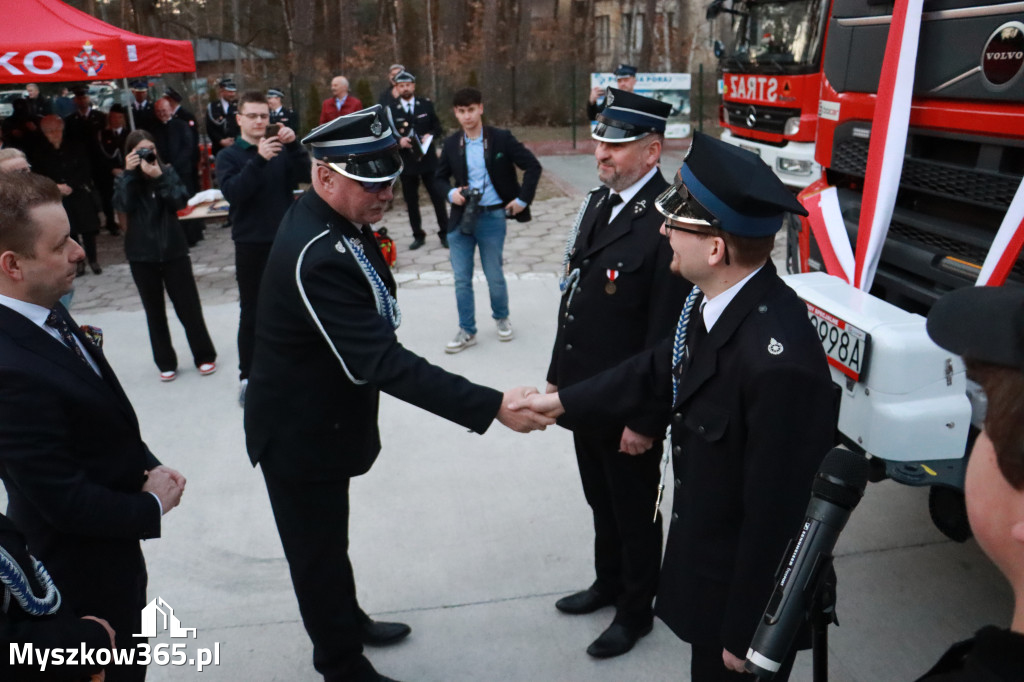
(712, 308)
(37, 314)
(631, 191)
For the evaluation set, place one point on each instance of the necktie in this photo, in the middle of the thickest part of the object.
(64, 329)
(603, 215)
(679, 346)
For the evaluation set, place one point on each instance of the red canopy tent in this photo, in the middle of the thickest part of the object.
(50, 41)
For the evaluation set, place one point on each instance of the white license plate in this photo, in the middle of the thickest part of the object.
(845, 345)
(756, 150)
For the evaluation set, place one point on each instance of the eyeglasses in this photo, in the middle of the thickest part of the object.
(699, 233)
(261, 117)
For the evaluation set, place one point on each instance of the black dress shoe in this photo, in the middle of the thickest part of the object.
(80, 268)
(376, 633)
(95, 267)
(616, 640)
(444, 240)
(587, 601)
(417, 243)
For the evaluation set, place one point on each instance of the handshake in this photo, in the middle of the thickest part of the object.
(526, 409)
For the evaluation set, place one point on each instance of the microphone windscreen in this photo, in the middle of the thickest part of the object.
(842, 477)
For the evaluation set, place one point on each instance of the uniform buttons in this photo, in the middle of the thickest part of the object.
(568, 346)
(677, 417)
(618, 265)
(701, 429)
(762, 308)
(586, 261)
(678, 483)
(677, 450)
(675, 517)
(571, 318)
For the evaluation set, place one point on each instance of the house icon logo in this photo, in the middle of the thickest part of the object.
(158, 616)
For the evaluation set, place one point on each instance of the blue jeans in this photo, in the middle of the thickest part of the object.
(490, 236)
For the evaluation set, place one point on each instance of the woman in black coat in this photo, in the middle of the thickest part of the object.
(150, 193)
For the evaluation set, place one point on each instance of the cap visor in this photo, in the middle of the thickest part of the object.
(676, 203)
(374, 169)
(607, 133)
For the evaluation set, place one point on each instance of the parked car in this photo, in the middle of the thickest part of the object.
(7, 98)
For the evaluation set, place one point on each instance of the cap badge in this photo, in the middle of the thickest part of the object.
(639, 207)
(340, 248)
(376, 127)
(609, 98)
(774, 347)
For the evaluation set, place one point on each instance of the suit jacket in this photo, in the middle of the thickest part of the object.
(317, 323)
(422, 121)
(220, 125)
(600, 329)
(329, 110)
(503, 153)
(72, 460)
(112, 149)
(754, 417)
(143, 115)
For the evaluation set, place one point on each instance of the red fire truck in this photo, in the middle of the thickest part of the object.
(771, 73)
(951, 207)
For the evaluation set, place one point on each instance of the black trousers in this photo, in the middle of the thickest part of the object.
(174, 276)
(706, 666)
(411, 194)
(250, 261)
(621, 490)
(88, 242)
(312, 520)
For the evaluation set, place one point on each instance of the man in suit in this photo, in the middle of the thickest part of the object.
(221, 123)
(181, 113)
(83, 487)
(625, 80)
(389, 95)
(617, 301)
(174, 142)
(482, 161)
(111, 161)
(418, 126)
(279, 113)
(752, 413)
(326, 338)
(341, 103)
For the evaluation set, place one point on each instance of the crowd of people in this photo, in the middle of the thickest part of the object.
(672, 316)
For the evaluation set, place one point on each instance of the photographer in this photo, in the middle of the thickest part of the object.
(625, 79)
(150, 193)
(483, 159)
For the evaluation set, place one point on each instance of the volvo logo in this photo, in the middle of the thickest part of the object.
(1003, 57)
(751, 117)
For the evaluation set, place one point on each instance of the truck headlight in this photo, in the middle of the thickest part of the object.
(792, 126)
(794, 166)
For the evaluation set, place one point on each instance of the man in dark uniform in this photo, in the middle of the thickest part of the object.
(221, 123)
(752, 415)
(112, 153)
(417, 126)
(985, 325)
(625, 80)
(142, 109)
(389, 95)
(278, 112)
(325, 338)
(617, 301)
(189, 118)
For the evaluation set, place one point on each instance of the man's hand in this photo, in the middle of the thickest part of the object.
(405, 143)
(64, 189)
(106, 626)
(521, 420)
(151, 168)
(457, 197)
(167, 484)
(514, 208)
(732, 662)
(227, 142)
(595, 93)
(269, 147)
(286, 135)
(551, 388)
(633, 443)
(548, 404)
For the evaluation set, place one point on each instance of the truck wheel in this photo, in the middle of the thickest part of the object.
(949, 513)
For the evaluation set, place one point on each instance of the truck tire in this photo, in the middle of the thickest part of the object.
(949, 513)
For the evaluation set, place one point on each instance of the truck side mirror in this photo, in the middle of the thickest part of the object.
(719, 48)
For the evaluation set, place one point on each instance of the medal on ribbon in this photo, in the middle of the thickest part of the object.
(609, 287)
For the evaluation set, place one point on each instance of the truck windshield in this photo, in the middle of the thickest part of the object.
(777, 37)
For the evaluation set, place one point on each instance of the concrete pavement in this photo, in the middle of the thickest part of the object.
(468, 538)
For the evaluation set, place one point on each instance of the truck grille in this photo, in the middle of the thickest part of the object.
(765, 119)
(946, 246)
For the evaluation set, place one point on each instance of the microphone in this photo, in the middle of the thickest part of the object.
(837, 488)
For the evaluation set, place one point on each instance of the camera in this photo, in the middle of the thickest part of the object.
(471, 209)
(147, 154)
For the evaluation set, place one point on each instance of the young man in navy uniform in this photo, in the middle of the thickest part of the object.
(414, 118)
(617, 301)
(326, 344)
(985, 325)
(752, 405)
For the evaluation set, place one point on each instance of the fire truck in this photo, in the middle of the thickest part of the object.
(771, 72)
(921, 138)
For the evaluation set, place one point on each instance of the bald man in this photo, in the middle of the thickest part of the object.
(341, 102)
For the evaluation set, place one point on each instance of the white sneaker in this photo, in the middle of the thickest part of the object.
(461, 342)
(505, 332)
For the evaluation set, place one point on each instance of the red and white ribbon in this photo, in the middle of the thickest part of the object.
(888, 138)
(1007, 244)
(829, 231)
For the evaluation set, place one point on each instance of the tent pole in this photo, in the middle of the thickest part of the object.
(131, 109)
